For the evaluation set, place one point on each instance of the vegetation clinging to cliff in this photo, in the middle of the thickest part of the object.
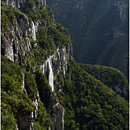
(90, 104)
(108, 75)
(50, 35)
(98, 29)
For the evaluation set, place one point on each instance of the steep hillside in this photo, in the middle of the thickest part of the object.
(41, 48)
(42, 87)
(19, 97)
(98, 30)
(111, 77)
(90, 104)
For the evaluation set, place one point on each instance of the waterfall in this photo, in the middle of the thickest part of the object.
(51, 76)
(43, 69)
(47, 67)
(33, 31)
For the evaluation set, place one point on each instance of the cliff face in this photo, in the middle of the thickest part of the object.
(41, 67)
(55, 63)
(111, 77)
(16, 41)
(18, 4)
(98, 30)
(58, 115)
(19, 41)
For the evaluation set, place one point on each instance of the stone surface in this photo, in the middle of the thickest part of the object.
(15, 40)
(50, 67)
(25, 121)
(35, 102)
(18, 47)
(18, 4)
(121, 90)
(58, 117)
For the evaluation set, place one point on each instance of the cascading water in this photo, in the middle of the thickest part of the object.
(61, 55)
(33, 31)
(42, 67)
(51, 76)
(47, 67)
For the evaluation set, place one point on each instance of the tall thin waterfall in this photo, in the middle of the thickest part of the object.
(51, 76)
(33, 31)
(47, 67)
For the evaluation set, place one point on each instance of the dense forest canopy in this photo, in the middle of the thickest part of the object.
(86, 93)
(98, 30)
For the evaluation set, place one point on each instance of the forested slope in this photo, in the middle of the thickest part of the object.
(42, 87)
(111, 77)
(90, 104)
(98, 30)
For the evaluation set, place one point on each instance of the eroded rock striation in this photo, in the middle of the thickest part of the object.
(18, 4)
(55, 63)
(16, 46)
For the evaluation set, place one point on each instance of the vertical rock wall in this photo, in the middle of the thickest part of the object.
(16, 41)
(17, 47)
(50, 68)
(17, 4)
(58, 117)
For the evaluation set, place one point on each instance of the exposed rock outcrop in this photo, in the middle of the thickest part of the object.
(13, 3)
(123, 91)
(55, 63)
(122, 9)
(23, 85)
(25, 121)
(15, 41)
(58, 117)
(18, 4)
(35, 102)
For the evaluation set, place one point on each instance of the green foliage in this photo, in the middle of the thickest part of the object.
(13, 99)
(8, 15)
(126, 65)
(43, 121)
(46, 95)
(43, 88)
(108, 75)
(30, 85)
(39, 55)
(11, 75)
(45, 41)
(8, 122)
(50, 37)
(98, 33)
(35, 11)
(89, 104)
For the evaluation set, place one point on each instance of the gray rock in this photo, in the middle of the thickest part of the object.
(58, 117)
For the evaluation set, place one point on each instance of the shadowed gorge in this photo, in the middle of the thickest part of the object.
(43, 87)
(98, 30)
